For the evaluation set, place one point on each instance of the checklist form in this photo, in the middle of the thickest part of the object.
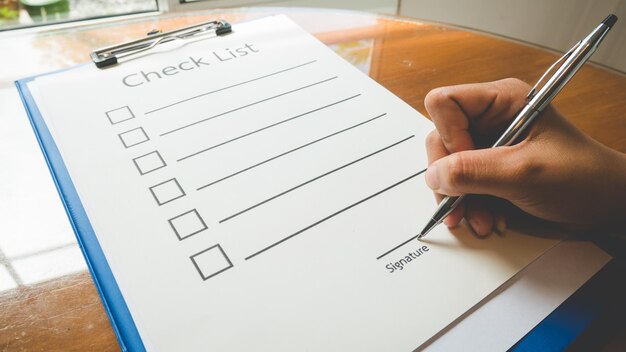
(254, 190)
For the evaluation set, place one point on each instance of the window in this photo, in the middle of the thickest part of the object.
(30, 13)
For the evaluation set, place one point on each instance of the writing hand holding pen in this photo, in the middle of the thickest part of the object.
(555, 172)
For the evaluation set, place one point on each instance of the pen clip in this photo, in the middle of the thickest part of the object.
(532, 92)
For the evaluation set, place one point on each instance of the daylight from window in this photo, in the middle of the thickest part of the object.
(28, 13)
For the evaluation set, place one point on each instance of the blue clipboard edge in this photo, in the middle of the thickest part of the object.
(110, 294)
(598, 298)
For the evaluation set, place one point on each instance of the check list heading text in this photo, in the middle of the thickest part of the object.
(191, 63)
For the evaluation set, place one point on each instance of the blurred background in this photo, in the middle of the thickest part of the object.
(553, 24)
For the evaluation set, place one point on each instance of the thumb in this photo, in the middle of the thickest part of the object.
(492, 171)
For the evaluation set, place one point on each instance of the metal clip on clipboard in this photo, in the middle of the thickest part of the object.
(110, 55)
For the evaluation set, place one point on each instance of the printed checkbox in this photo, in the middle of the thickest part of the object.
(211, 261)
(187, 224)
(149, 162)
(120, 115)
(167, 191)
(133, 137)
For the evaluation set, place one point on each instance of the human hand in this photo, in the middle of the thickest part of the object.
(555, 172)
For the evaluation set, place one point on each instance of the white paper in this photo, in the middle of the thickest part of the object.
(282, 174)
(524, 301)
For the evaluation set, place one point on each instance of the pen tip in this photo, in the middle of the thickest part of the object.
(610, 20)
(429, 226)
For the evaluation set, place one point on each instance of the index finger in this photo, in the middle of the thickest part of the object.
(479, 107)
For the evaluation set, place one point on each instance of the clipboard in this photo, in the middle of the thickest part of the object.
(110, 55)
(110, 295)
(113, 301)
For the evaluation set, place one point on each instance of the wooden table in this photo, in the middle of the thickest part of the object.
(407, 57)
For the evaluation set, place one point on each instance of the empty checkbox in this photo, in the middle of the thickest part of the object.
(149, 162)
(167, 191)
(211, 261)
(187, 224)
(133, 137)
(120, 115)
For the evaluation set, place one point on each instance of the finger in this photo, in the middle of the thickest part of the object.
(499, 223)
(454, 218)
(436, 150)
(495, 171)
(449, 118)
(481, 108)
(509, 97)
(480, 218)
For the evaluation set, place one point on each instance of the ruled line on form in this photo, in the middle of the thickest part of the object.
(266, 127)
(316, 178)
(246, 106)
(228, 87)
(290, 151)
(332, 216)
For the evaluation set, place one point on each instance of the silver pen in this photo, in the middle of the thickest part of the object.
(537, 100)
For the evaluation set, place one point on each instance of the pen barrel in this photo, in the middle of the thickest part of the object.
(447, 205)
(568, 69)
(524, 117)
(553, 86)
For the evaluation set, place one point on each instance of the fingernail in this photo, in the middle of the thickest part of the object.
(432, 180)
(450, 224)
(500, 224)
(476, 227)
